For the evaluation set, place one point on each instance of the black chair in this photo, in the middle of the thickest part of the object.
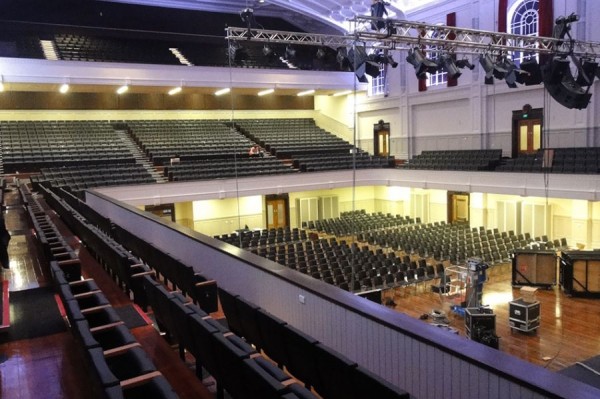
(108, 338)
(246, 312)
(300, 350)
(335, 373)
(368, 385)
(155, 387)
(263, 379)
(229, 352)
(202, 347)
(271, 330)
(228, 303)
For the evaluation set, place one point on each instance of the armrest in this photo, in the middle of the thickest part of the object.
(207, 282)
(86, 294)
(121, 349)
(139, 380)
(79, 282)
(68, 261)
(148, 273)
(107, 326)
(94, 309)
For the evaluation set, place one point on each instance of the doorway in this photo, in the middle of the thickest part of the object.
(530, 136)
(458, 207)
(165, 211)
(277, 211)
(381, 139)
(527, 130)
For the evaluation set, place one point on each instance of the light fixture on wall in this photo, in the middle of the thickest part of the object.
(305, 93)
(123, 89)
(265, 92)
(64, 88)
(222, 91)
(1, 83)
(341, 93)
(176, 90)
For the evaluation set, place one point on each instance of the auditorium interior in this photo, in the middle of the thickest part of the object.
(300, 199)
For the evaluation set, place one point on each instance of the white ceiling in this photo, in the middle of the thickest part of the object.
(315, 16)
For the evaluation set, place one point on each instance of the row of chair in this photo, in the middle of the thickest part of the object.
(124, 268)
(120, 366)
(330, 373)
(234, 364)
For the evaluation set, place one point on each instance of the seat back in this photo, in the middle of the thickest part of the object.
(300, 350)
(271, 332)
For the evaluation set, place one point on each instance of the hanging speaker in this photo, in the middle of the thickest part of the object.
(531, 73)
(561, 85)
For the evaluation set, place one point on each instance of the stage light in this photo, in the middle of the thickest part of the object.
(265, 92)
(290, 52)
(492, 69)
(465, 63)
(449, 66)
(236, 52)
(320, 53)
(342, 58)
(305, 93)
(531, 74)
(362, 64)
(123, 89)
(222, 91)
(267, 50)
(64, 88)
(422, 65)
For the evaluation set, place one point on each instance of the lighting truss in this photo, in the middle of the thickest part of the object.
(406, 34)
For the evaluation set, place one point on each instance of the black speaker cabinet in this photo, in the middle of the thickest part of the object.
(580, 273)
(477, 319)
(534, 267)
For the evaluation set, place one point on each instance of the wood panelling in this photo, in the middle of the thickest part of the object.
(13, 100)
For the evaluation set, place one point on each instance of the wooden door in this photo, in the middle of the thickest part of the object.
(458, 207)
(529, 136)
(276, 213)
(381, 139)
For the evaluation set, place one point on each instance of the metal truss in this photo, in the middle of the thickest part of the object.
(398, 34)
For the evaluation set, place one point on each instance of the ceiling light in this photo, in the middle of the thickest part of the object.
(63, 88)
(342, 93)
(175, 90)
(265, 92)
(122, 89)
(305, 93)
(222, 91)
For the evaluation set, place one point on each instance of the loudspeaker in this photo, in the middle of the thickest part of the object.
(532, 75)
(561, 85)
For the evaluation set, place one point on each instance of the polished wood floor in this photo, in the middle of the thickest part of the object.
(51, 367)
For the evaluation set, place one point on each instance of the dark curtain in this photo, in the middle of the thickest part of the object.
(502, 15)
(546, 18)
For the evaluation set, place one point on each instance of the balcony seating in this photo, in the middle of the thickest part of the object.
(473, 160)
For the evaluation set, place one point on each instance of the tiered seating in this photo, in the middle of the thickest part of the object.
(72, 47)
(188, 140)
(31, 145)
(19, 45)
(78, 178)
(456, 160)
(576, 160)
(225, 168)
(236, 366)
(361, 160)
(331, 374)
(289, 137)
(121, 367)
(357, 221)
(256, 238)
(524, 163)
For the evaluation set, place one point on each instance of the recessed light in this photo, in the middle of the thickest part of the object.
(305, 93)
(265, 92)
(222, 91)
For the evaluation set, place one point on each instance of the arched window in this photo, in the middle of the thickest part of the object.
(524, 20)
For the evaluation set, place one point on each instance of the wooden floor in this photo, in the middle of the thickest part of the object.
(49, 367)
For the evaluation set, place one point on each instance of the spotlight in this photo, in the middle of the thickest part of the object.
(448, 65)
(586, 72)
(531, 73)
(320, 53)
(342, 58)
(421, 64)
(290, 52)
(363, 64)
(491, 68)
(384, 58)
(511, 73)
(465, 63)
(236, 52)
(267, 51)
